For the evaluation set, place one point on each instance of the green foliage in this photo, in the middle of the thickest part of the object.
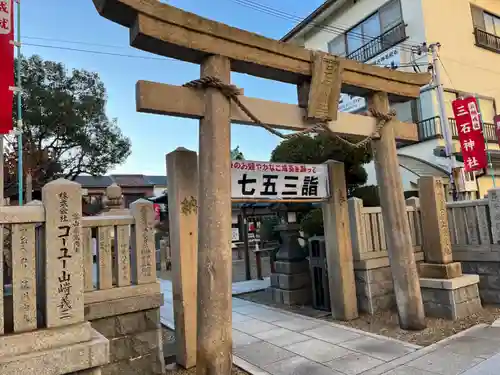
(369, 194)
(236, 154)
(65, 127)
(323, 147)
(312, 223)
(266, 231)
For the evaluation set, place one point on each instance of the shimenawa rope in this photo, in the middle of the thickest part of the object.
(232, 92)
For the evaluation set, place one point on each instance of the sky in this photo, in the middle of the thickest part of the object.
(75, 24)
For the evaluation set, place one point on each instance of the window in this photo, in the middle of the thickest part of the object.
(368, 33)
(337, 46)
(486, 29)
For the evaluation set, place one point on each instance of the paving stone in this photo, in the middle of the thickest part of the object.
(237, 317)
(445, 363)
(318, 350)
(262, 353)
(331, 334)
(270, 316)
(379, 348)
(491, 333)
(281, 336)
(299, 324)
(489, 367)
(252, 326)
(406, 370)
(473, 346)
(354, 363)
(242, 339)
(299, 366)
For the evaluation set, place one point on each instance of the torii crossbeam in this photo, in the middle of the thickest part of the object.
(219, 49)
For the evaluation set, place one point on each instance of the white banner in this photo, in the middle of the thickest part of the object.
(235, 234)
(263, 180)
(388, 59)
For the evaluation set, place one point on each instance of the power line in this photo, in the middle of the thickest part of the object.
(73, 42)
(408, 65)
(336, 30)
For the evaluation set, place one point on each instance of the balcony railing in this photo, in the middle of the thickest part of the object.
(431, 128)
(379, 44)
(488, 131)
(487, 40)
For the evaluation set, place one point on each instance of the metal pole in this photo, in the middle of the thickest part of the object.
(490, 164)
(445, 126)
(19, 108)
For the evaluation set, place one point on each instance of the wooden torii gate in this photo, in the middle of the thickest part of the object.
(219, 49)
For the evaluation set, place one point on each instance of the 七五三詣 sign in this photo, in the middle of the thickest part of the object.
(470, 133)
(287, 181)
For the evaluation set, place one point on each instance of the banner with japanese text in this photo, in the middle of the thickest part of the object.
(496, 121)
(263, 180)
(6, 65)
(470, 133)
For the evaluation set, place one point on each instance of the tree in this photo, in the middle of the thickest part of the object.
(322, 147)
(66, 131)
(236, 154)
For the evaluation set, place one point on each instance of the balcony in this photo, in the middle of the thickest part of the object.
(487, 40)
(379, 44)
(431, 128)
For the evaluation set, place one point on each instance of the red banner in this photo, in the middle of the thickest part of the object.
(470, 133)
(6, 64)
(157, 209)
(496, 121)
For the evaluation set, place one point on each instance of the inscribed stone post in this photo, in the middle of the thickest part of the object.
(182, 165)
(24, 277)
(62, 200)
(436, 241)
(494, 206)
(338, 246)
(398, 237)
(143, 245)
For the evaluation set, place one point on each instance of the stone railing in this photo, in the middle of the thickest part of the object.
(42, 312)
(368, 232)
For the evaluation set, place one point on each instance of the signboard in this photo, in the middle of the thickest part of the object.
(496, 121)
(263, 180)
(235, 234)
(157, 209)
(470, 133)
(389, 59)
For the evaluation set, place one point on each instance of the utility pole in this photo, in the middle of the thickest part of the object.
(445, 126)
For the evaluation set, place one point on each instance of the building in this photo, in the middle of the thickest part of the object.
(389, 33)
(134, 186)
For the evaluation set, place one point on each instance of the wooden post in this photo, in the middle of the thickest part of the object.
(183, 218)
(338, 246)
(214, 227)
(399, 244)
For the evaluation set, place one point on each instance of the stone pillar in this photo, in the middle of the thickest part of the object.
(113, 201)
(290, 281)
(398, 236)
(446, 292)
(338, 244)
(183, 217)
(214, 354)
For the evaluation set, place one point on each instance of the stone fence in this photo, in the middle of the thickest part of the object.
(374, 286)
(475, 243)
(62, 313)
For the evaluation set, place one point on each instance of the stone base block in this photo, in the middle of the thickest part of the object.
(291, 267)
(53, 357)
(374, 290)
(451, 298)
(294, 281)
(291, 297)
(440, 271)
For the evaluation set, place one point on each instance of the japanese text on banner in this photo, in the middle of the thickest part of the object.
(262, 180)
(470, 134)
